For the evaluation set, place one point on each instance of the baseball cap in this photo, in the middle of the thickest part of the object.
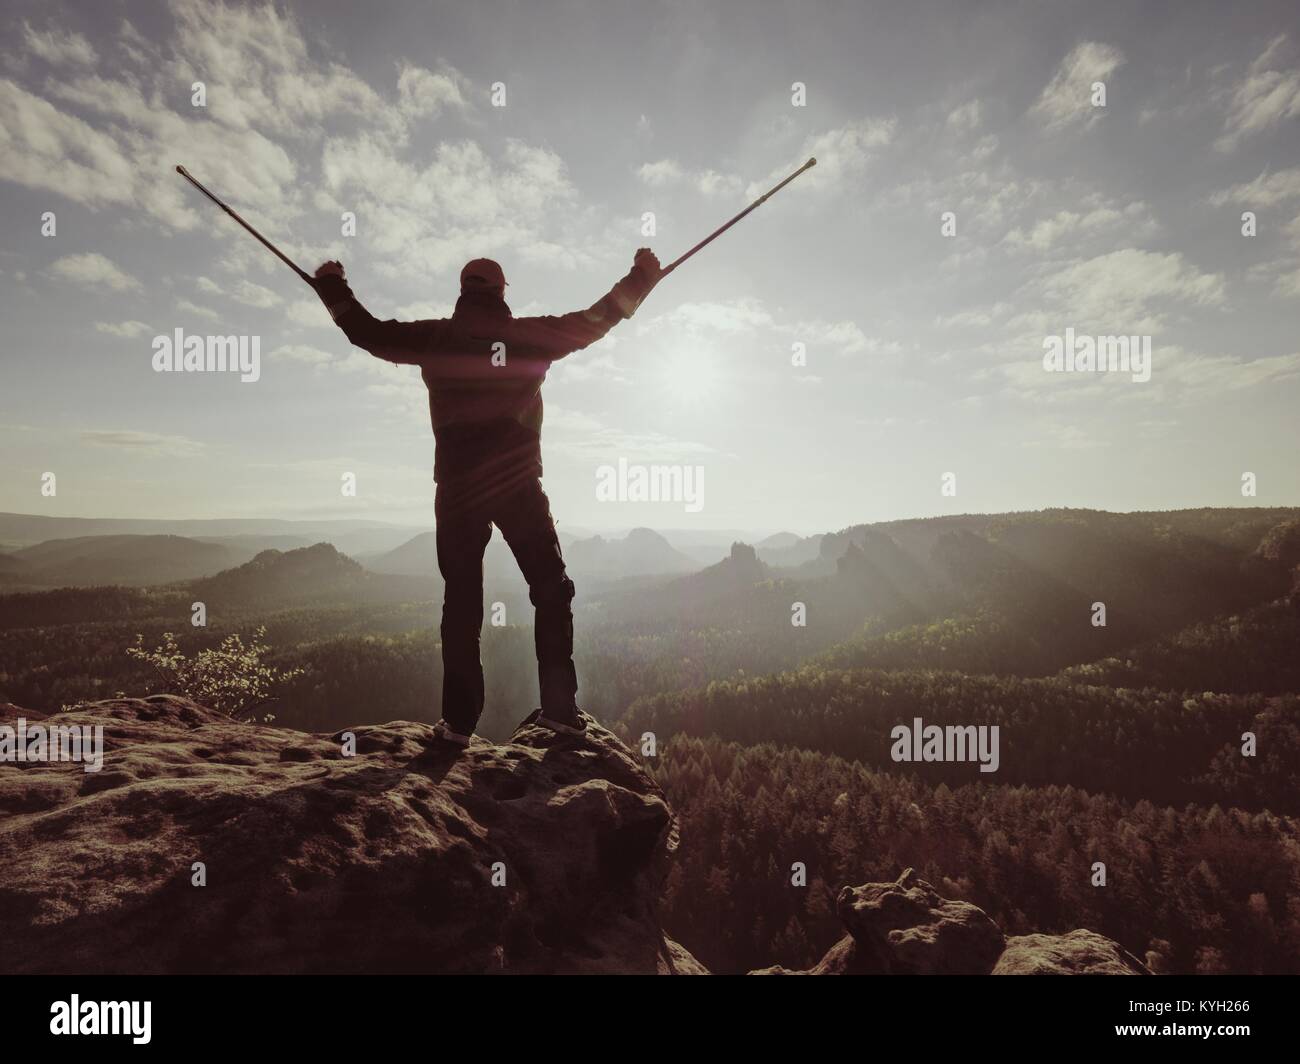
(482, 273)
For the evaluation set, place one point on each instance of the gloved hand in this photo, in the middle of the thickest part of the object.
(647, 262)
(330, 283)
(641, 278)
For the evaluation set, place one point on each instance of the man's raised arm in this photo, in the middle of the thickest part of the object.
(559, 335)
(406, 342)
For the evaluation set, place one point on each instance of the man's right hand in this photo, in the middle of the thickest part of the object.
(639, 282)
(330, 269)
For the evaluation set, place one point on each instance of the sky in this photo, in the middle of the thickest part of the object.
(847, 353)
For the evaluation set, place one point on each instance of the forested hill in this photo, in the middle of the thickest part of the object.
(316, 574)
(1164, 747)
(1238, 528)
(1031, 594)
(1257, 650)
(1121, 739)
(1190, 889)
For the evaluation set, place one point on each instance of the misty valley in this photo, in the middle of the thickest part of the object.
(949, 702)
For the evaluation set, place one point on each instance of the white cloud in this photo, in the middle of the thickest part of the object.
(259, 74)
(743, 317)
(355, 360)
(58, 47)
(128, 330)
(1268, 95)
(254, 295)
(966, 117)
(1122, 288)
(1067, 99)
(264, 89)
(422, 311)
(421, 92)
(977, 318)
(1178, 377)
(736, 316)
(712, 183)
(1212, 375)
(1288, 284)
(242, 291)
(842, 155)
(590, 367)
(93, 270)
(138, 48)
(1267, 190)
(310, 313)
(663, 172)
(42, 147)
(144, 442)
(190, 307)
(984, 198)
(1133, 221)
(843, 336)
(304, 353)
(667, 172)
(112, 141)
(432, 218)
(251, 171)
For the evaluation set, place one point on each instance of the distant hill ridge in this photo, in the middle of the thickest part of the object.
(318, 571)
(130, 560)
(642, 552)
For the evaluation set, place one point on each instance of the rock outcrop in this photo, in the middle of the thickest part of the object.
(540, 855)
(908, 928)
(1078, 953)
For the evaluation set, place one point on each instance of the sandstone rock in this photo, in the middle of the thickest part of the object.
(907, 928)
(1078, 953)
(316, 862)
(677, 960)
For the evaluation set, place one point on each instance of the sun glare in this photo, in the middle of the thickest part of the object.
(690, 377)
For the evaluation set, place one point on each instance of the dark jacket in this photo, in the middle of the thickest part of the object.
(484, 370)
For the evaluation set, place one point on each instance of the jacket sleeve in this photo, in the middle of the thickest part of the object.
(558, 335)
(404, 342)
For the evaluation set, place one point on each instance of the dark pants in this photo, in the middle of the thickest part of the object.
(463, 529)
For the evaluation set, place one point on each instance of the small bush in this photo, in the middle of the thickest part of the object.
(232, 678)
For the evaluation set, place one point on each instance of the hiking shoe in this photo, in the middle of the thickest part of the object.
(567, 722)
(442, 730)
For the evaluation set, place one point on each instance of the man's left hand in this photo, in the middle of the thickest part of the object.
(648, 263)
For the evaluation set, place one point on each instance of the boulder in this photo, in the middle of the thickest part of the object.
(1080, 952)
(907, 928)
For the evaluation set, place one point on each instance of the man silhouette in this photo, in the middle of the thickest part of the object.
(484, 369)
